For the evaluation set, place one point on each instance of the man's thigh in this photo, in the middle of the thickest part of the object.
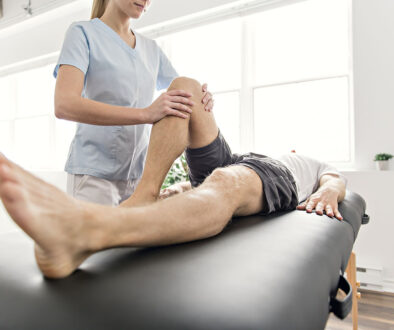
(252, 194)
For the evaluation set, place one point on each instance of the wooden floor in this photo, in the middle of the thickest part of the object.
(375, 312)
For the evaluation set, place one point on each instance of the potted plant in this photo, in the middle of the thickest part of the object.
(177, 172)
(382, 161)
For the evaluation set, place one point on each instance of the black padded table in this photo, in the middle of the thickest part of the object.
(273, 272)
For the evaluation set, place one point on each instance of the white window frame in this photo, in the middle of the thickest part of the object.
(243, 9)
(246, 92)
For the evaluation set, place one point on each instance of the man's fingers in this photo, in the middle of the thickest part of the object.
(205, 87)
(320, 208)
(310, 206)
(329, 210)
(179, 92)
(338, 215)
(302, 206)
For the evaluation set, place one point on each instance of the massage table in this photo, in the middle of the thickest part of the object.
(262, 272)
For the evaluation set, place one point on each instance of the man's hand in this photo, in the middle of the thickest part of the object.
(176, 188)
(322, 200)
(207, 99)
(331, 191)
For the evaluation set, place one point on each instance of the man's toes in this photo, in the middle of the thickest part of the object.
(10, 191)
(6, 174)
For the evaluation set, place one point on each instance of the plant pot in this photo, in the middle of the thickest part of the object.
(382, 165)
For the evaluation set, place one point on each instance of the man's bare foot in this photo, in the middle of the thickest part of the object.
(52, 219)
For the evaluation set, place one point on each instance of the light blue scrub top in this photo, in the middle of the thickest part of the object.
(115, 74)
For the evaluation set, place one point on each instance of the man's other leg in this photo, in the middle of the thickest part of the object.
(67, 231)
(169, 138)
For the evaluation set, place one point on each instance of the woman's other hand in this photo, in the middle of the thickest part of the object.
(175, 189)
(207, 99)
(171, 103)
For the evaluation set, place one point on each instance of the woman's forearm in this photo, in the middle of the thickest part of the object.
(87, 111)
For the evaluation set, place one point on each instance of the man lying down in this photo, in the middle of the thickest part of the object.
(67, 231)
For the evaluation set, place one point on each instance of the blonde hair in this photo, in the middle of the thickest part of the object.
(98, 8)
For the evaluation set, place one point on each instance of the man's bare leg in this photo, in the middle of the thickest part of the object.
(169, 138)
(67, 231)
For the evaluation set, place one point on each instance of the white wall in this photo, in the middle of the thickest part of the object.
(373, 48)
(374, 246)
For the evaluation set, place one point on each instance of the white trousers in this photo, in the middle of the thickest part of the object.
(101, 191)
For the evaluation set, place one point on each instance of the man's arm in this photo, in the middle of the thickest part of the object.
(331, 191)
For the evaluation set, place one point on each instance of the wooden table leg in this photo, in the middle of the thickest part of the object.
(351, 272)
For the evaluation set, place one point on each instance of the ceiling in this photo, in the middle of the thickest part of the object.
(15, 11)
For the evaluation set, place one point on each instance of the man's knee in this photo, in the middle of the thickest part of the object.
(235, 178)
(224, 176)
(188, 84)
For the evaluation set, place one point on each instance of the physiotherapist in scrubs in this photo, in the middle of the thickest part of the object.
(106, 77)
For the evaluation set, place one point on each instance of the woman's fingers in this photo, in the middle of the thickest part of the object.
(177, 114)
(180, 106)
(183, 100)
(205, 87)
(209, 106)
(207, 96)
(179, 92)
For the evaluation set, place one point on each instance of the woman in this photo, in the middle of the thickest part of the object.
(106, 76)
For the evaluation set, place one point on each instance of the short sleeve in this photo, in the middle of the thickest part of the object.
(329, 169)
(166, 73)
(75, 49)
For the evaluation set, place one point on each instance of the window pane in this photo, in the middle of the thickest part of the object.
(6, 138)
(64, 131)
(304, 40)
(210, 54)
(7, 98)
(32, 143)
(35, 92)
(311, 118)
(226, 112)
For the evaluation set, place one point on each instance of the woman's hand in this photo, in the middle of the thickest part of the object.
(322, 200)
(171, 103)
(207, 99)
(175, 189)
(170, 191)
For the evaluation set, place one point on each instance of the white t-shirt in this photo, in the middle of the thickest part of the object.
(307, 173)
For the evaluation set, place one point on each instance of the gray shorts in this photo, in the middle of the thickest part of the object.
(280, 192)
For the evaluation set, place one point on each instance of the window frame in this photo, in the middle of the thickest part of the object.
(246, 92)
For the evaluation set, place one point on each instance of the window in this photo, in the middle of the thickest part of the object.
(279, 77)
(309, 117)
(212, 54)
(285, 71)
(29, 132)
